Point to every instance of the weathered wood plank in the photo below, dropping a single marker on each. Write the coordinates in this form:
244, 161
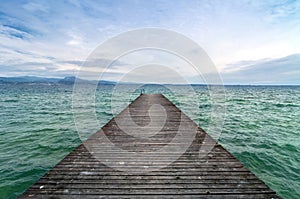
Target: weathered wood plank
195, 174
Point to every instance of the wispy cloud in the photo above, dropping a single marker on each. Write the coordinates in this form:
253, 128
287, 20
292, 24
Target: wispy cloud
284, 70
61, 34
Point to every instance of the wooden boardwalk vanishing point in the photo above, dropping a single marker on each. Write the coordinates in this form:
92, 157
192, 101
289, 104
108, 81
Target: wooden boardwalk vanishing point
217, 174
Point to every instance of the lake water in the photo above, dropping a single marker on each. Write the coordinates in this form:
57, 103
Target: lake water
261, 128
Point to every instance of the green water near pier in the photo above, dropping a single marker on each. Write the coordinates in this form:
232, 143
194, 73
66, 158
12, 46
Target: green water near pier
261, 128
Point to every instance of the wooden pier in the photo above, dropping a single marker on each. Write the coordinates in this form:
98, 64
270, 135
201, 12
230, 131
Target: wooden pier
217, 174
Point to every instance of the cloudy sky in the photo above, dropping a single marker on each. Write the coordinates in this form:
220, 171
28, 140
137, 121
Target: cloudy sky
250, 42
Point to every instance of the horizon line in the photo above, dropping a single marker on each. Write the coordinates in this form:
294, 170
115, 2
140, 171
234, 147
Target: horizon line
149, 83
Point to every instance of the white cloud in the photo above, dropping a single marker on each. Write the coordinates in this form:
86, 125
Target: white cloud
75, 39
55, 31
283, 70
35, 7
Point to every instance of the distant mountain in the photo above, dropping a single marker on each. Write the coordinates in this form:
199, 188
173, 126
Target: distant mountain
72, 79
103, 82
28, 79
67, 80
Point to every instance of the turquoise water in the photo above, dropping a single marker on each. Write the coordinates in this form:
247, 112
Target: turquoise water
262, 129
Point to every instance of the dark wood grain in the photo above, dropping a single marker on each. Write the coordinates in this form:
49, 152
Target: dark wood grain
216, 174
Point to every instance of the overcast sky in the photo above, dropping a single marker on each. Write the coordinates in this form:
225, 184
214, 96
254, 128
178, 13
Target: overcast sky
250, 42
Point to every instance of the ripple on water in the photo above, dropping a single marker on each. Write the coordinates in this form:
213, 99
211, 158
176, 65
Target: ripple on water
261, 129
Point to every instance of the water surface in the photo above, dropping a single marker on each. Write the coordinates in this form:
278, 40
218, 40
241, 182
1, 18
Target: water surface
262, 129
